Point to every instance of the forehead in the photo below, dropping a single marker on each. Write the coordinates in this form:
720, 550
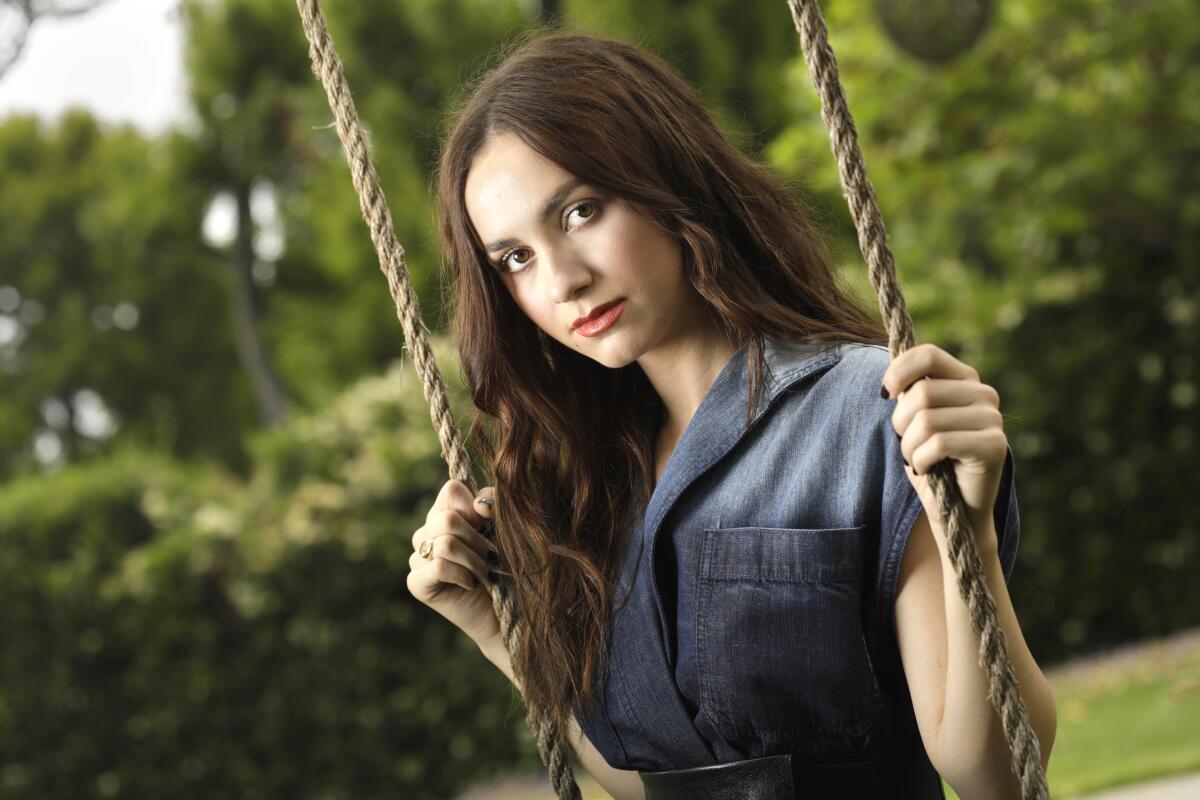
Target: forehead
507, 182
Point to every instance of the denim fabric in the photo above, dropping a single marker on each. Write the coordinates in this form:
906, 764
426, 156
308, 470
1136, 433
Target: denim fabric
755, 603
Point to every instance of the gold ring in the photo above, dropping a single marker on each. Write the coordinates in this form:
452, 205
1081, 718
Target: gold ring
426, 549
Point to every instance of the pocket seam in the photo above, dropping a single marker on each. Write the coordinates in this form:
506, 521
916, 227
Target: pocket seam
711, 705
813, 535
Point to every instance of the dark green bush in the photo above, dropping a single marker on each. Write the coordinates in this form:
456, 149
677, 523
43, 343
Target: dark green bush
170, 632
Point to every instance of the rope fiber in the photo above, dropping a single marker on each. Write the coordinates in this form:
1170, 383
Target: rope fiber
810, 24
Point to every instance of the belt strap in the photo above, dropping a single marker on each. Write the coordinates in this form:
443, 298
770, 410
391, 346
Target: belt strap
903, 772
765, 778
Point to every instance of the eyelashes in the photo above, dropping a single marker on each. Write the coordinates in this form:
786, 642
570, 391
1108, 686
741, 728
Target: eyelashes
502, 262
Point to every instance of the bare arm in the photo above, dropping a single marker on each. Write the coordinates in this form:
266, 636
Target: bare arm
622, 784
961, 731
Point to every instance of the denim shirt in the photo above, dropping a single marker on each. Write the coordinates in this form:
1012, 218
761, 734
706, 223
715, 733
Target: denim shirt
755, 603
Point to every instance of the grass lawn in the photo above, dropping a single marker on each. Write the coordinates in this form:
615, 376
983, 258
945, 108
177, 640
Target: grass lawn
1127, 716
1123, 717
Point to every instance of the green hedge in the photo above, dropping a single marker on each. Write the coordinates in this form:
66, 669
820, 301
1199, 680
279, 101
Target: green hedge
174, 631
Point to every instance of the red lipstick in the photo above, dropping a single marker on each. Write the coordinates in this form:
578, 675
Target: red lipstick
600, 319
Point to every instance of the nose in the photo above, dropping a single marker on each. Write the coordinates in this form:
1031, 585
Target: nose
566, 273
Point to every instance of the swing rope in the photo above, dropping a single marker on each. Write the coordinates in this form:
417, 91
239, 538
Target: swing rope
1003, 689
327, 66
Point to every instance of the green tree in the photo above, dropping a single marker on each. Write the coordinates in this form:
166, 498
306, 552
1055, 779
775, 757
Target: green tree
1042, 197
106, 296
732, 50
86, 234
264, 120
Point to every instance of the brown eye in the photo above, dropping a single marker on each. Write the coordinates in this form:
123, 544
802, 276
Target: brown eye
589, 204
504, 260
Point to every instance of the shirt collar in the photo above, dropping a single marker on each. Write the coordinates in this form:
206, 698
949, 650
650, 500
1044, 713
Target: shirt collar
720, 421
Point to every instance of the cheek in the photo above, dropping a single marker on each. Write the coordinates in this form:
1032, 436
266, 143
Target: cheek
642, 252
659, 258
537, 309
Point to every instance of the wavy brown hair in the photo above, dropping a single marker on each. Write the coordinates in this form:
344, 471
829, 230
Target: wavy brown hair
568, 442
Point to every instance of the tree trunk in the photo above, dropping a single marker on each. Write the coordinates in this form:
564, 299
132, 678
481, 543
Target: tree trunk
246, 305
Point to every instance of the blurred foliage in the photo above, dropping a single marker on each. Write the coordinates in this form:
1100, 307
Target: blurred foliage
1042, 194
733, 51
112, 291
264, 119
179, 632
195, 607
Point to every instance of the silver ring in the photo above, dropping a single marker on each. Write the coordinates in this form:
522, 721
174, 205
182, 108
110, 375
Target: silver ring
426, 549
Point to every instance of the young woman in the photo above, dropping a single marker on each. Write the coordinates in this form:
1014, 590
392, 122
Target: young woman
710, 490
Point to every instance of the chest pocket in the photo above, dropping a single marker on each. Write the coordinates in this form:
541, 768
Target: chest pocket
780, 647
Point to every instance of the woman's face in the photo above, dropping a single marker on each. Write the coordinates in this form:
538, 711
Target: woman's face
564, 248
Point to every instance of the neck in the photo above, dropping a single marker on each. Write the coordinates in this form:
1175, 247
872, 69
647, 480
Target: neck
682, 372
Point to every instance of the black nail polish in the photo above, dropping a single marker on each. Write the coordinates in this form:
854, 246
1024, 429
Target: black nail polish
905, 460
492, 575
883, 392
493, 557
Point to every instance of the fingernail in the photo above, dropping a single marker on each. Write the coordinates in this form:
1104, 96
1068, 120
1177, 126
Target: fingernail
493, 557
492, 575
883, 392
905, 460
487, 501
474, 582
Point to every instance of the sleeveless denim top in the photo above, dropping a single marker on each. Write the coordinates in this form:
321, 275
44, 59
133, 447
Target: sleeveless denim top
754, 609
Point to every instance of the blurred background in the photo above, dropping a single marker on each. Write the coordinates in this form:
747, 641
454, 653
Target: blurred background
214, 452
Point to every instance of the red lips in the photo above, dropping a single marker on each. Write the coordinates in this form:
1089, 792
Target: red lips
602, 318
595, 312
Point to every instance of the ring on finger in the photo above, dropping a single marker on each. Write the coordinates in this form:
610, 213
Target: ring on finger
426, 549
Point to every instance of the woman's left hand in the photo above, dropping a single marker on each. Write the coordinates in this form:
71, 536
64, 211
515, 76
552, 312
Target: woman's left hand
945, 411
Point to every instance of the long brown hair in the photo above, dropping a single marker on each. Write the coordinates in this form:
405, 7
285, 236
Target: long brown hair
569, 441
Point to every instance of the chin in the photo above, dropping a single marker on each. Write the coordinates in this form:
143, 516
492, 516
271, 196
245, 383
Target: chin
613, 357
605, 360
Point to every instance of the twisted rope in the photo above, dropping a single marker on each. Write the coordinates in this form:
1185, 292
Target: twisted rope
810, 24
328, 68
993, 646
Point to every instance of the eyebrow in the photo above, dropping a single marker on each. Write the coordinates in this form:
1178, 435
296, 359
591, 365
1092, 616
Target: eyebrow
556, 200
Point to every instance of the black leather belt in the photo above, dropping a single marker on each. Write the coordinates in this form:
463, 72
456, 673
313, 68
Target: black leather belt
766, 778
851, 776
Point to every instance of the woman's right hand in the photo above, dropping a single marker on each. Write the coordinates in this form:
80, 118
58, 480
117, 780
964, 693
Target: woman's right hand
453, 580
